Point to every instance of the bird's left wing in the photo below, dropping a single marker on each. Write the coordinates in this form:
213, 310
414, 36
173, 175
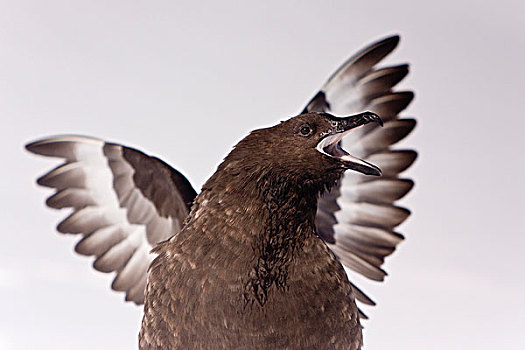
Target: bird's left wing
357, 218
123, 203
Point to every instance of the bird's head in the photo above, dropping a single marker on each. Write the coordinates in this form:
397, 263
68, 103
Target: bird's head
306, 147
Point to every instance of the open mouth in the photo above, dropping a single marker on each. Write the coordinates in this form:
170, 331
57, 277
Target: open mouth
331, 144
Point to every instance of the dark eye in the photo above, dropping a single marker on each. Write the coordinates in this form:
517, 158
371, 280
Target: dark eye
305, 130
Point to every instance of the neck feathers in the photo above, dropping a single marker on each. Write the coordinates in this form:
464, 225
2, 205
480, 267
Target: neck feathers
290, 220
273, 214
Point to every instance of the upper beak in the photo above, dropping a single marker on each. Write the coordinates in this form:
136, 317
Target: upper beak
353, 121
330, 145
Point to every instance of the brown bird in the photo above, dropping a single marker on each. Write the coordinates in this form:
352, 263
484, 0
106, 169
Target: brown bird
253, 261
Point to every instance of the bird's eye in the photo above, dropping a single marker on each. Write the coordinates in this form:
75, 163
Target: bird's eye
305, 130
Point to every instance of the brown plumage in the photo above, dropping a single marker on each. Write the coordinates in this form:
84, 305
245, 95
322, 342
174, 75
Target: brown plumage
248, 270
257, 262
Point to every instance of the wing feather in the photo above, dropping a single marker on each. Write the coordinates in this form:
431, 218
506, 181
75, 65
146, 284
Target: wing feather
100, 241
118, 255
357, 218
70, 197
362, 297
124, 202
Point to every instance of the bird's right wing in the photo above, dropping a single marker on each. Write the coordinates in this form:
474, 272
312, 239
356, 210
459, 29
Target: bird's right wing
123, 203
357, 218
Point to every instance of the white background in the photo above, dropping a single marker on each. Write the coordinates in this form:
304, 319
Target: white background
186, 82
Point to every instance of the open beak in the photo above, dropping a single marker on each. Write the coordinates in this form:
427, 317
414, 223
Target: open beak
330, 145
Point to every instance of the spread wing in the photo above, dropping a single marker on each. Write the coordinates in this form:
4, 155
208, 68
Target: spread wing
358, 218
123, 203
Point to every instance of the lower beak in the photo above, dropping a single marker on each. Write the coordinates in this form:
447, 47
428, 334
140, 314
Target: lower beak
330, 145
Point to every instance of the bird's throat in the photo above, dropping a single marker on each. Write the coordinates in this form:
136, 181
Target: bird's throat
289, 221
272, 216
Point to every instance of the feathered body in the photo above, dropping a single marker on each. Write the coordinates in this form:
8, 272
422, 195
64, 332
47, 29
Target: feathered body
248, 270
254, 260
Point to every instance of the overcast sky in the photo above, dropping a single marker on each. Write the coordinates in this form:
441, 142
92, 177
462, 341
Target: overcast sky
186, 81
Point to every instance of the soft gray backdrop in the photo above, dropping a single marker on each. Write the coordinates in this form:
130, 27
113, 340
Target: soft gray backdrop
186, 81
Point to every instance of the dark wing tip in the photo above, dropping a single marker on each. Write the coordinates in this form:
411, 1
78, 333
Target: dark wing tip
392, 40
408, 123
29, 145
412, 153
408, 185
404, 67
41, 181
34, 146
362, 315
138, 302
361, 296
411, 122
410, 182
408, 213
405, 94
387, 44
409, 95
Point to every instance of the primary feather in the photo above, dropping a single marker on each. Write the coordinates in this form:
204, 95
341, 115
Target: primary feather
124, 202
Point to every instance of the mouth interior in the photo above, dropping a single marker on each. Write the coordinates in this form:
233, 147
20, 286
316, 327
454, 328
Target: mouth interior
330, 146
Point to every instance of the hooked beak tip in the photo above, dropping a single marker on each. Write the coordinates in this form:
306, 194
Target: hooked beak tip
372, 117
